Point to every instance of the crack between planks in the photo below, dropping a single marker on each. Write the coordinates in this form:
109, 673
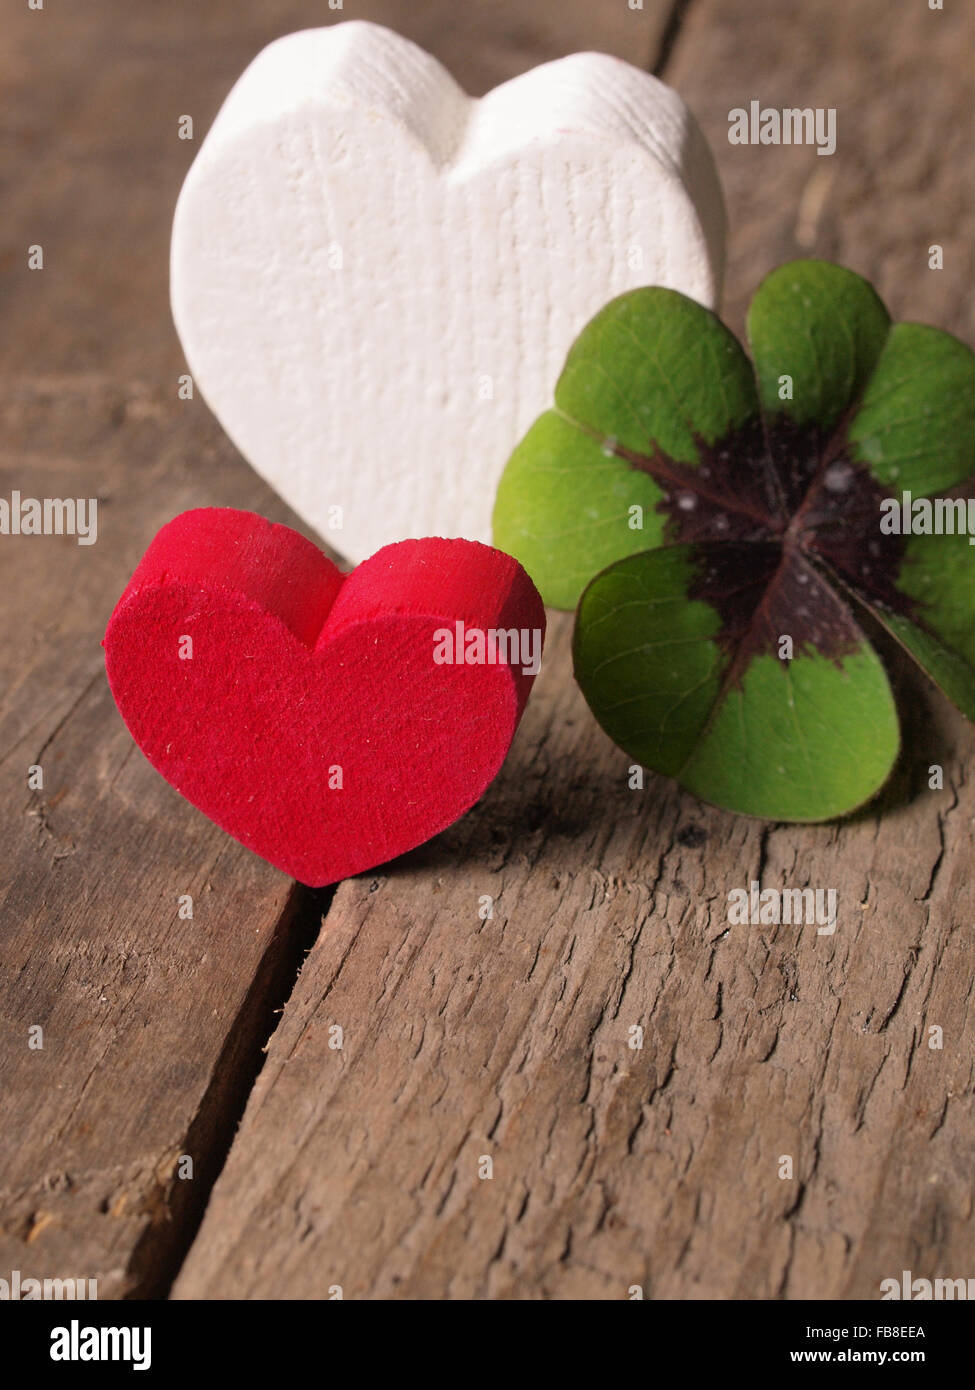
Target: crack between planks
670, 36
178, 1213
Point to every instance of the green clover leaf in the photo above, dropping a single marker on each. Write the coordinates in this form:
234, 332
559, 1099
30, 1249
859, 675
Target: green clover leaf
728, 526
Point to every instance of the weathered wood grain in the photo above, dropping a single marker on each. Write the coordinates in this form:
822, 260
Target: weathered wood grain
507, 1037
901, 176
152, 1025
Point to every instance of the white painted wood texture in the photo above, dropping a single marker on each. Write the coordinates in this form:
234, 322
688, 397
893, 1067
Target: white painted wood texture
376, 278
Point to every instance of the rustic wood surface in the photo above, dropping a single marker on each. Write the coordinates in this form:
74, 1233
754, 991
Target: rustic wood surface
464, 1037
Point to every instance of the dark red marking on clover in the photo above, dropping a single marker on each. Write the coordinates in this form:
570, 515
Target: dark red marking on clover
778, 508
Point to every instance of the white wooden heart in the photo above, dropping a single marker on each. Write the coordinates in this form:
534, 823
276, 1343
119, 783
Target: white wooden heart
376, 278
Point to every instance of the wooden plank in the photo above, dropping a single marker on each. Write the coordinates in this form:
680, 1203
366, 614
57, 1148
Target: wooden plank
152, 1025
901, 177
508, 1037
95, 93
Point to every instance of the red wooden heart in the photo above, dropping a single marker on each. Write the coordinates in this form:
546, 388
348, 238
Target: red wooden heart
317, 716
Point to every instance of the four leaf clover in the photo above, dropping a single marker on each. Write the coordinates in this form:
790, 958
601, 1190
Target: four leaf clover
721, 525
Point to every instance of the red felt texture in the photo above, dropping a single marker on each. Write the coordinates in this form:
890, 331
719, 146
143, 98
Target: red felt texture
312, 721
